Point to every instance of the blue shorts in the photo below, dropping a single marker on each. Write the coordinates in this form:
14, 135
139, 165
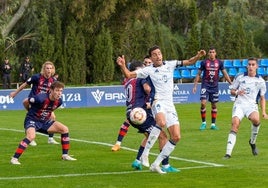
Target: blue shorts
40, 126
211, 95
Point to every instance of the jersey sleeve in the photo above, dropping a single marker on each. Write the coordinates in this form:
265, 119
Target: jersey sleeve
32, 79
202, 66
235, 83
34, 99
263, 88
142, 73
221, 65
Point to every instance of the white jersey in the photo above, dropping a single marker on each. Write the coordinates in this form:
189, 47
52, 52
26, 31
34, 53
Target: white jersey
162, 79
253, 87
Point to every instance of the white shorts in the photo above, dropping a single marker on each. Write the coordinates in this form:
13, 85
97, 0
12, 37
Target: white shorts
244, 110
168, 109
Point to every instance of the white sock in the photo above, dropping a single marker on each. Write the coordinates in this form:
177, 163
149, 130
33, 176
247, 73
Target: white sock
153, 136
118, 143
254, 133
166, 151
230, 143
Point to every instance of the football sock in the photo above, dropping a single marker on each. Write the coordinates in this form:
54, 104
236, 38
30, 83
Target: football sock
165, 162
203, 114
213, 115
231, 142
50, 135
21, 148
65, 143
122, 132
254, 133
140, 151
153, 136
166, 151
118, 143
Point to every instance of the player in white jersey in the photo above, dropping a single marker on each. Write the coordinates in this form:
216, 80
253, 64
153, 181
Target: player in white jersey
248, 88
161, 76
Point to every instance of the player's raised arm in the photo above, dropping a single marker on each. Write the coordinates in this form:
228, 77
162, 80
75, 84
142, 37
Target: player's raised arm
193, 60
122, 63
14, 93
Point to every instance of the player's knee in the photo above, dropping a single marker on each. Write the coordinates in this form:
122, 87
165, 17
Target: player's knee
65, 129
176, 138
30, 137
161, 123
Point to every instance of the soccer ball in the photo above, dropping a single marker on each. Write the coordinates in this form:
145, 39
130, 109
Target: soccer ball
138, 116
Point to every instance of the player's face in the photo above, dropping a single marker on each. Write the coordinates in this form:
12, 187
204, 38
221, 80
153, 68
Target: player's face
212, 54
156, 57
252, 67
56, 93
147, 62
48, 71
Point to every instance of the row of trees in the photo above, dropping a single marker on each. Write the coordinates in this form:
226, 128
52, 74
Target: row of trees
84, 37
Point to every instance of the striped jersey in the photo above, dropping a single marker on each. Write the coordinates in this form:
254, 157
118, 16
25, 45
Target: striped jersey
42, 107
40, 84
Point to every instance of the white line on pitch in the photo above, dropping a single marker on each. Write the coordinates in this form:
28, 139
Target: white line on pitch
126, 148
90, 174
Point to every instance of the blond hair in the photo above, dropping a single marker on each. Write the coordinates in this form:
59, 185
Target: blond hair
44, 67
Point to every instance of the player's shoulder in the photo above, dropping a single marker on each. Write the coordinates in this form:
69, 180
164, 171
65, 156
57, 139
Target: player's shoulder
37, 75
260, 78
38, 98
240, 75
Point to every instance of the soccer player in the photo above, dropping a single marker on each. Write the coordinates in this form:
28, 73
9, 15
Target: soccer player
163, 108
210, 68
40, 83
247, 87
138, 93
125, 125
38, 119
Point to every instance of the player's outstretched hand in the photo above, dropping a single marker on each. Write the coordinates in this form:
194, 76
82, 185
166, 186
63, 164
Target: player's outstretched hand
121, 60
201, 53
12, 94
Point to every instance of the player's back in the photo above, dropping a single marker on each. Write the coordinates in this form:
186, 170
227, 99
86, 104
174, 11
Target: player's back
135, 94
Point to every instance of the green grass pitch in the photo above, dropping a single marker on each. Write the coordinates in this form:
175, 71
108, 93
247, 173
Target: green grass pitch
93, 131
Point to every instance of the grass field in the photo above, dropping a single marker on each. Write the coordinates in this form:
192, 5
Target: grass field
93, 131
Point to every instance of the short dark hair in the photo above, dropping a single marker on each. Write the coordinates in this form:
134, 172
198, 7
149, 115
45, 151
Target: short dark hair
212, 48
134, 65
152, 49
253, 59
146, 57
57, 84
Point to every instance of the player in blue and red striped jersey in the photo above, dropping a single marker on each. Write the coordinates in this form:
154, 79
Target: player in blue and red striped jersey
38, 118
211, 68
40, 83
125, 125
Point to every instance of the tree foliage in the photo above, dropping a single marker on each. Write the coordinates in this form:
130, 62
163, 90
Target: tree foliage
103, 64
83, 38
